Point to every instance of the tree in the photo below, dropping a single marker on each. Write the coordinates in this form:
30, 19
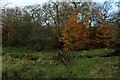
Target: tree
115, 20
74, 34
104, 34
9, 18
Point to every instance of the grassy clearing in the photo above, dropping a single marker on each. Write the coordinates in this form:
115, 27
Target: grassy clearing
105, 67
92, 52
94, 67
19, 51
81, 68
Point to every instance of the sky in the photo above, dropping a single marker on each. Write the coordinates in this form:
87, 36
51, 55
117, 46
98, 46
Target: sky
22, 3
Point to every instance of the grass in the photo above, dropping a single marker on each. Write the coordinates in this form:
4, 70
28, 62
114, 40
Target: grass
0, 66
86, 67
100, 67
92, 52
19, 51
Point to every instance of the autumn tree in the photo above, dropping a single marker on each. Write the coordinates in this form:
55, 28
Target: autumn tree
104, 34
115, 20
74, 33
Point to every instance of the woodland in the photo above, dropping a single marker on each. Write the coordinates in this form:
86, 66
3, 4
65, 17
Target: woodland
61, 40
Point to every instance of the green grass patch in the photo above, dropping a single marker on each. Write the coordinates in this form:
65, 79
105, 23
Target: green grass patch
93, 67
97, 67
19, 51
98, 52
13, 50
80, 68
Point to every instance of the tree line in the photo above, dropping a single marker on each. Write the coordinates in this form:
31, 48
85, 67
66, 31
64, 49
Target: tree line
68, 26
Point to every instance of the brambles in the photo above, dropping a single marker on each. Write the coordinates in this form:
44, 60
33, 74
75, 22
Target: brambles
8, 57
63, 57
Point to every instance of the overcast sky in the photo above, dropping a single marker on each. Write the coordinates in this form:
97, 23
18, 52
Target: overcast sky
21, 3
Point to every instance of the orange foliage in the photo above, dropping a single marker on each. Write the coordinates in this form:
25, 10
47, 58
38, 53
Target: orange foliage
104, 34
74, 33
